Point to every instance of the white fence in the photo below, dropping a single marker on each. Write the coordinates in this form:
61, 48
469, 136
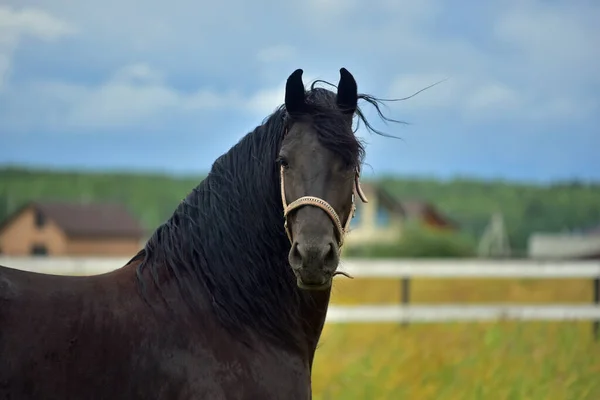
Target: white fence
469, 268
461, 313
65, 265
403, 271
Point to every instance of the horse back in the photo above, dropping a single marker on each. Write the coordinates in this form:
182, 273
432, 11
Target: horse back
54, 328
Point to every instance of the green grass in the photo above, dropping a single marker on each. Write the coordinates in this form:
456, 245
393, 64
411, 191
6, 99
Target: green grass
504, 360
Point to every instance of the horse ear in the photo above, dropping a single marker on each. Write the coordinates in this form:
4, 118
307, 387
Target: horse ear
347, 93
294, 93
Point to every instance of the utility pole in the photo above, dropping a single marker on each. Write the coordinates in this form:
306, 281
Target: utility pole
494, 241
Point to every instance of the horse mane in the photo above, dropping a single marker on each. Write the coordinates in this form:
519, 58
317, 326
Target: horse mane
225, 244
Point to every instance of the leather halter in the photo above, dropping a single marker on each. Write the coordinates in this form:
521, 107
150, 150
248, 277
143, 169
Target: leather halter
323, 205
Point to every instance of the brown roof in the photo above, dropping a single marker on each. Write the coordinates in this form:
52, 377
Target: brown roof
595, 230
91, 219
387, 200
417, 207
407, 208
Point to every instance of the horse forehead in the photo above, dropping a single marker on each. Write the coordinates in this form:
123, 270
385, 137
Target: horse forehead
306, 141
313, 155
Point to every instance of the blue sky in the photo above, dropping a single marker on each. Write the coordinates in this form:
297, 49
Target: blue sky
171, 85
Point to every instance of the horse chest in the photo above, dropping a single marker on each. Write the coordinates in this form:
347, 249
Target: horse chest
202, 375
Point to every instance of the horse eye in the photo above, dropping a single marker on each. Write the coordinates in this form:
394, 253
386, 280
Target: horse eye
282, 162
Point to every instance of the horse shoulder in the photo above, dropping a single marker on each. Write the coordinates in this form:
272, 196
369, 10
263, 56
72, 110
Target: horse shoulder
8, 289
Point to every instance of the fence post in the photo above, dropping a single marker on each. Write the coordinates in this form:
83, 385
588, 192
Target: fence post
405, 294
596, 323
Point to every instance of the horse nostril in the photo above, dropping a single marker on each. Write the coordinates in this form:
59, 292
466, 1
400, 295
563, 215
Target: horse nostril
313, 256
295, 257
330, 256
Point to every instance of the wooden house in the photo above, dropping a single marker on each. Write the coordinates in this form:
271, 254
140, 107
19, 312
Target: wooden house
70, 229
384, 218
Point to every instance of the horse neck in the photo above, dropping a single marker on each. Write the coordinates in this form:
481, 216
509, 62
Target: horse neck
314, 313
312, 308
239, 267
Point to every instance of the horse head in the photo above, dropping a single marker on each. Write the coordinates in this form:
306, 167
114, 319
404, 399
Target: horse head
319, 162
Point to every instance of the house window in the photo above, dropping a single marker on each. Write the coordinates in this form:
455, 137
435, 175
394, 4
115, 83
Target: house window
39, 250
383, 217
40, 219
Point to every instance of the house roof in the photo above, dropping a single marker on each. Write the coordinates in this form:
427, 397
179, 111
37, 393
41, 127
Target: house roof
89, 219
407, 208
594, 230
387, 200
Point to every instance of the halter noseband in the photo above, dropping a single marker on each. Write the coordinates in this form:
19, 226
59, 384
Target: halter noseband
323, 205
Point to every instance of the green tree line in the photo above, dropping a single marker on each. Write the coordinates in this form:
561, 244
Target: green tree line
152, 198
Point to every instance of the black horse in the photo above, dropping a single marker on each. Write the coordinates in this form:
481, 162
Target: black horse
227, 299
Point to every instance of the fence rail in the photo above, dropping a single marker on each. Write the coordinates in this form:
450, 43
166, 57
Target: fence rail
404, 270
360, 268
471, 268
461, 313
65, 265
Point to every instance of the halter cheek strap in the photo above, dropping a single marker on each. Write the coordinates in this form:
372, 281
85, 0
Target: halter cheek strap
323, 205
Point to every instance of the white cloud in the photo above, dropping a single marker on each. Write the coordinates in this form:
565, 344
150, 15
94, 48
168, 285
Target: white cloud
33, 22
264, 101
537, 65
551, 35
462, 94
330, 8
138, 72
529, 60
493, 97
137, 92
480, 101
133, 95
121, 104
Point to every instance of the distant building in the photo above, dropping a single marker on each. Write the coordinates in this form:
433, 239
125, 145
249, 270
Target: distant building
384, 218
565, 245
67, 229
593, 230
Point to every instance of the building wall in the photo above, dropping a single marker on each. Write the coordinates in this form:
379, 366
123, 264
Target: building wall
566, 246
367, 229
103, 246
21, 235
373, 236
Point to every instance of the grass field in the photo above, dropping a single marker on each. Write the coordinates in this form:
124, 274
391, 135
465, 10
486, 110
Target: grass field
505, 360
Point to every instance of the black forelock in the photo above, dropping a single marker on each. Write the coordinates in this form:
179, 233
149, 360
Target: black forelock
333, 128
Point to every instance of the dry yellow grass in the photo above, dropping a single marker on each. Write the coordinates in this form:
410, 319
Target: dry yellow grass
506, 360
